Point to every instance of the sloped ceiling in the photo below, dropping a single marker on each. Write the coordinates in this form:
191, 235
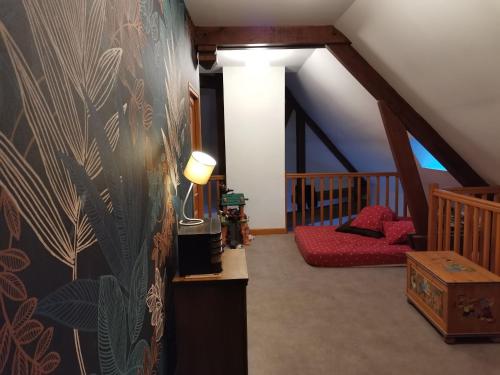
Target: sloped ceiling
265, 12
345, 111
443, 57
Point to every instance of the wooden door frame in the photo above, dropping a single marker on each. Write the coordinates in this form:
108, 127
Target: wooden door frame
195, 130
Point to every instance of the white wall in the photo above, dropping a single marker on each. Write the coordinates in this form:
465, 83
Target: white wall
344, 110
318, 156
431, 176
265, 12
254, 111
443, 57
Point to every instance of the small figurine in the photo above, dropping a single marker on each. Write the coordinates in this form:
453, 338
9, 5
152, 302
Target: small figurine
234, 221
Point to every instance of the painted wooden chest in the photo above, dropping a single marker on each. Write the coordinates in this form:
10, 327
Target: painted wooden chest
460, 298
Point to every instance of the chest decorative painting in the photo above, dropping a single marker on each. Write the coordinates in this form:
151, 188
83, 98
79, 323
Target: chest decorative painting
457, 296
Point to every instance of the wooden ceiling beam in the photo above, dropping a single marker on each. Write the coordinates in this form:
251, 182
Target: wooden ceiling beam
381, 90
208, 39
281, 36
207, 55
406, 166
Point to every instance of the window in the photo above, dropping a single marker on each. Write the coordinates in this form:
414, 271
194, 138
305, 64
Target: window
424, 157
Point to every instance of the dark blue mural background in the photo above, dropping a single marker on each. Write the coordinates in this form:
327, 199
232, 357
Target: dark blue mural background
93, 138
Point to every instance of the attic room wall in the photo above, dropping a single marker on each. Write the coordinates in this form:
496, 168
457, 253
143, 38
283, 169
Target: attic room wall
443, 58
254, 113
89, 188
432, 176
318, 157
345, 111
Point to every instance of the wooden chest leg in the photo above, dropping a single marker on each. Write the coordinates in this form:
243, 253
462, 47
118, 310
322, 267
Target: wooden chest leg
450, 340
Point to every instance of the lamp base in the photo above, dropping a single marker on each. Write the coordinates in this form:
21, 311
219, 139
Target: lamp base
191, 222
188, 221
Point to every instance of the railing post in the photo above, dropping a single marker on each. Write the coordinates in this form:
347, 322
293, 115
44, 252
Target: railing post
497, 244
431, 231
487, 244
294, 203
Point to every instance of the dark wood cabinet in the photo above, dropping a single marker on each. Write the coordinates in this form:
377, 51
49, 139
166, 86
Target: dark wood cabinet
211, 322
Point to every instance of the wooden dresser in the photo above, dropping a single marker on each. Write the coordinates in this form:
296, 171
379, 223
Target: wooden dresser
460, 298
211, 320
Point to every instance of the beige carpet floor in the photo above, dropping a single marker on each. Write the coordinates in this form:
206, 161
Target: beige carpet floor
343, 321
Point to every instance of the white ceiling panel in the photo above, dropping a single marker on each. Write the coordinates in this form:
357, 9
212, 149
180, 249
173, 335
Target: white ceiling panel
265, 12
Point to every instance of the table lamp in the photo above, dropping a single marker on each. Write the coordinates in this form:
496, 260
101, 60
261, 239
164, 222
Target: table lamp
198, 170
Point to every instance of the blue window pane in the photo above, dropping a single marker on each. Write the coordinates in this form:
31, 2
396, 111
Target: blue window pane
424, 157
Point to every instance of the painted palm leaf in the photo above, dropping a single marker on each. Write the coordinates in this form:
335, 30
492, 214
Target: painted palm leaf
120, 232
34, 201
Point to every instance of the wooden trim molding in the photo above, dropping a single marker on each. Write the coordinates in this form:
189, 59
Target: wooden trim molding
407, 167
268, 231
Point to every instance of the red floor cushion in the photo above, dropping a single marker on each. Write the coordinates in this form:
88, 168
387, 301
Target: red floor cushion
398, 231
372, 217
324, 247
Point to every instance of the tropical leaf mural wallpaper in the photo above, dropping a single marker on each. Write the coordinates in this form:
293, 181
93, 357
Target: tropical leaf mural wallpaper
93, 136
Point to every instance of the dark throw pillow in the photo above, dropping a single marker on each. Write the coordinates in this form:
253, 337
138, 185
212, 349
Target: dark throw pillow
346, 228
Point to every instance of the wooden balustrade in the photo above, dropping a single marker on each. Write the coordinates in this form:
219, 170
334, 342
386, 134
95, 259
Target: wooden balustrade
466, 221
333, 198
490, 193
211, 195
325, 198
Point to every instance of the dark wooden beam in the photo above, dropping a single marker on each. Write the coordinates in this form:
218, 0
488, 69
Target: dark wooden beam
381, 90
215, 82
319, 132
406, 166
207, 55
211, 81
283, 36
221, 138
288, 112
300, 141
208, 38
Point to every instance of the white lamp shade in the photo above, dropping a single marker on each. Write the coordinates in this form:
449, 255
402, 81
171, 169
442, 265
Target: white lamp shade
199, 168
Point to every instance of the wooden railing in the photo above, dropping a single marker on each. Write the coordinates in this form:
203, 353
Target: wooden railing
489, 193
211, 195
340, 196
465, 224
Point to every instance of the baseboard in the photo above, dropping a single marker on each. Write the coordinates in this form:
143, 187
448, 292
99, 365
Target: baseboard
267, 231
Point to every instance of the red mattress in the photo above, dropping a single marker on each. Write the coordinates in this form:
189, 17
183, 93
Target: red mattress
323, 247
